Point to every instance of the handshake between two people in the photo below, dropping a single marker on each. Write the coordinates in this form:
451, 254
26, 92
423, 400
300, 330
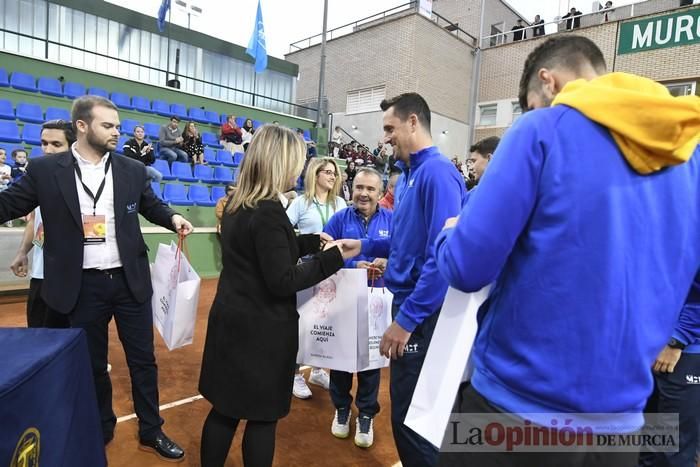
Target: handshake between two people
349, 249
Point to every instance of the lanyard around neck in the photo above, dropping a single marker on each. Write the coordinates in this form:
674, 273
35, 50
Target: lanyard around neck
324, 220
93, 197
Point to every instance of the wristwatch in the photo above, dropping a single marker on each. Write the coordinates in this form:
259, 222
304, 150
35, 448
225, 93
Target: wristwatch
676, 344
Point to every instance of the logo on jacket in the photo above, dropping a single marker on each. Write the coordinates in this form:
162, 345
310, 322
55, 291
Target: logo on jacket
410, 183
692, 379
27, 450
131, 208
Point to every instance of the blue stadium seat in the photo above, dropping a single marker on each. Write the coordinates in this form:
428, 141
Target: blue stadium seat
23, 81
29, 113
223, 175
223, 119
155, 186
36, 152
4, 81
6, 110
235, 174
197, 115
210, 156
204, 174
161, 108
257, 124
238, 158
213, 118
121, 100
151, 130
50, 86
174, 193
73, 90
183, 171
31, 133
54, 113
93, 91
307, 135
120, 144
179, 110
200, 195
128, 126
225, 158
240, 121
210, 139
142, 104
161, 165
217, 192
9, 133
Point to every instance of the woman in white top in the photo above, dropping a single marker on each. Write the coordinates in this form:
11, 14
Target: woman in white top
310, 213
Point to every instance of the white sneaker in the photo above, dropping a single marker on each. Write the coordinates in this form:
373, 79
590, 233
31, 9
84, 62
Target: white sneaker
300, 389
320, 377
341, 423
364, 431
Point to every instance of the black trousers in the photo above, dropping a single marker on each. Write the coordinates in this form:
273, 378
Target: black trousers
39, 315
470, 401
367, 391
103, 296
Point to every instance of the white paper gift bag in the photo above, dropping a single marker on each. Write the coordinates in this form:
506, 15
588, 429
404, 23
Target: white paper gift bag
175, 296
379, 319
445, 365
333, 321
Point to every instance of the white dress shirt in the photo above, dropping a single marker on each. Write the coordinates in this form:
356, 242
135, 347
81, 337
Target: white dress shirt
98, 255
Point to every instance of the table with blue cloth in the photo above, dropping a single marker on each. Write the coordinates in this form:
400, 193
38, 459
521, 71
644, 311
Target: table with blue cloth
48, 407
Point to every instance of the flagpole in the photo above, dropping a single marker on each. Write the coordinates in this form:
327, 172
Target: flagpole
322, 74
255, 85
167, 70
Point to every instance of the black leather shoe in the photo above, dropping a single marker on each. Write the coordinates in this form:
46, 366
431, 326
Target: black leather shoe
164, 447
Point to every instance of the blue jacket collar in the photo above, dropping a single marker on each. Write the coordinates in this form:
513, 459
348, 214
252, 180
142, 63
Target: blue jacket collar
417, 158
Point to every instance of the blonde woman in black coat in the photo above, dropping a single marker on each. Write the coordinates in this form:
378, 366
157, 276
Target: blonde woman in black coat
252, 336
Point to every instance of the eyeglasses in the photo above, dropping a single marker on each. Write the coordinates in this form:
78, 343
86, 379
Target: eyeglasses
328, 172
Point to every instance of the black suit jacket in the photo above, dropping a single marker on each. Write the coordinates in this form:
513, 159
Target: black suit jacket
50, 184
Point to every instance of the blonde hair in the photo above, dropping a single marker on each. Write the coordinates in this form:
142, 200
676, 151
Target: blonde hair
315, 166
275, 156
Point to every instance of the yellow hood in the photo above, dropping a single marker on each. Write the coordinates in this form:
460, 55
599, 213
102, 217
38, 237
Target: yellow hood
652, 128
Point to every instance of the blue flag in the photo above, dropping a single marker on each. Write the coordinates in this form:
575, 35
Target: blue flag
256, 46
162, 11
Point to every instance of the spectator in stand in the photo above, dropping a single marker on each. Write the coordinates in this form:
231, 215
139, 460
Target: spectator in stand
192, 141
247, 132
607, 13
573, 19
519, 32
141, 150
231, 135
345, 189
381, 160
480, 155
221, 205
538, 29
5, 170
170, 137
351, 171
337, 137
20, 168
387, 201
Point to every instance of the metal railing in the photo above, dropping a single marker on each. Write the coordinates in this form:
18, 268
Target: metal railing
297, 109
453, 28
349, 28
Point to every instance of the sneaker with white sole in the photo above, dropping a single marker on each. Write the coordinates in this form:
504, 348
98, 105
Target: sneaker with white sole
300, 389
319, 377
364, 431
341, 423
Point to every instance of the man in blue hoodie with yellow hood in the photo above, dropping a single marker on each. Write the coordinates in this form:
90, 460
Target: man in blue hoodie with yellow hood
588, 224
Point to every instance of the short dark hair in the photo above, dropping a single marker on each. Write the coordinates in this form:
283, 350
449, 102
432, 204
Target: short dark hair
406, 104
571, 52
174, 117
139, 126
16, 150
486, 145
66, 127
83, 105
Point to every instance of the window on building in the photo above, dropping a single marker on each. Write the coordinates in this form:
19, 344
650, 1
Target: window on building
365, 100
682, 89
496, 34
487, 115
517, 111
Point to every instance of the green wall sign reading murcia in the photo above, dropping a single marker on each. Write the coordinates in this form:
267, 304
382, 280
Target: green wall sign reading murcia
681, 28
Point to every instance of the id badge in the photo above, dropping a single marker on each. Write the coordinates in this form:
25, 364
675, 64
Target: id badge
94, 229
39, 236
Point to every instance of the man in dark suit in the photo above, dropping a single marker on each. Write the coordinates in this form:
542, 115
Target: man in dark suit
95, 262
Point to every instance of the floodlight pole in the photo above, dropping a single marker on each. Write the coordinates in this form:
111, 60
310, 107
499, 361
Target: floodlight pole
322, 75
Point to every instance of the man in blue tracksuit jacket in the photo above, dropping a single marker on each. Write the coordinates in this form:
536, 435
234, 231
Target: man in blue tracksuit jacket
428, 192
588, 221
364, 219
677, 386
